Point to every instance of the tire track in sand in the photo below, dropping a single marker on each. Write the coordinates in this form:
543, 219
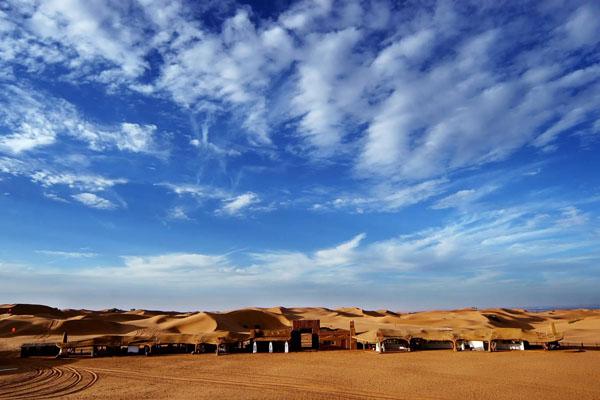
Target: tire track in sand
318, 390
47, 383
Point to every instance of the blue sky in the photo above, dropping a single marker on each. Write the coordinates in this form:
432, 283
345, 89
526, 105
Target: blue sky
177, 155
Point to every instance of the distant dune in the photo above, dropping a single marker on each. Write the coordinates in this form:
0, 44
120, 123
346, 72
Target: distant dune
30, 322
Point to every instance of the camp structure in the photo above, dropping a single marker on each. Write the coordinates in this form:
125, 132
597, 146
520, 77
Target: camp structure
305, 334
497, 339
392, 340
507, 339
114, 345
108, 345
271, 340
302, 335
384, 340
520, 339
40, 349
52, 349
223, 342
334, 339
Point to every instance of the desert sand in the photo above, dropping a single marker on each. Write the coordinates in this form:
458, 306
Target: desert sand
439, 374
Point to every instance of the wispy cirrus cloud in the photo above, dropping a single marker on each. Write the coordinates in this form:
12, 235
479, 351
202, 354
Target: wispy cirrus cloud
484, 248
224, 202
36, 120
388, 108
386, 197
93, 183
92, 200
464, 197
414, 101
69, 182
238, 204
67, 254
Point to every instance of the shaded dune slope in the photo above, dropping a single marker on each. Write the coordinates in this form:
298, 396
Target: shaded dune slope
26, 322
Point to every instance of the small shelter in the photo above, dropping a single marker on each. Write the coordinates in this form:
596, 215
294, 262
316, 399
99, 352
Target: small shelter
503, 339
40, 349
334, 339
408, 339
385, 340
271, 340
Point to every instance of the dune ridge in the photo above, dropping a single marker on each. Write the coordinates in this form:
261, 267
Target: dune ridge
31, 322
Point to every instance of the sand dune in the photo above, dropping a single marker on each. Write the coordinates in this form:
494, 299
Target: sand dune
30, 322
303, 375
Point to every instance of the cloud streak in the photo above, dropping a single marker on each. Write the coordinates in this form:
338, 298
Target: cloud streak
94, 201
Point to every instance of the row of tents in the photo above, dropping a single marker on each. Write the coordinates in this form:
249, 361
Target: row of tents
386, 340
302, 338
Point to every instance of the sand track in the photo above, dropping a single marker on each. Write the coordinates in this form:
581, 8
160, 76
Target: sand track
48, 383
276, 385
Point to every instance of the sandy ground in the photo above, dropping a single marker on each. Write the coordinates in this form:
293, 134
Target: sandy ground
23, 323
312, 375
527, 375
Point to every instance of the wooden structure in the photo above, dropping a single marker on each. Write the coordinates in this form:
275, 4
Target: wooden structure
114, 345
353, 345
496, 339
40, 349
507, 339
305, 334
391, 340
272, 340
302, 335
334, 339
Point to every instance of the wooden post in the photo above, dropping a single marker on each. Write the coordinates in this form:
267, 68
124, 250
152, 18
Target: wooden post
352, 342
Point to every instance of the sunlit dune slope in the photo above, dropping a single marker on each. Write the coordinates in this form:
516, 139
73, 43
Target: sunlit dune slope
30, 322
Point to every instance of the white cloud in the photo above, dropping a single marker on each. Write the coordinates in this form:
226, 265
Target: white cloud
477, 253
93, 183
233, 72
413, 47
315, 101
178, 213
204, 143
388, 197
135, 137
92, 30
572, 216
46, 178
463, 198
228, 204
430, 95
55, 197
94, 201
583, 25
426, 97
35, 120
173, 263
466, 111
341, 254
170, 267
24, 121
67, 254
485, 246
194, 190
236, 205
305, 13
